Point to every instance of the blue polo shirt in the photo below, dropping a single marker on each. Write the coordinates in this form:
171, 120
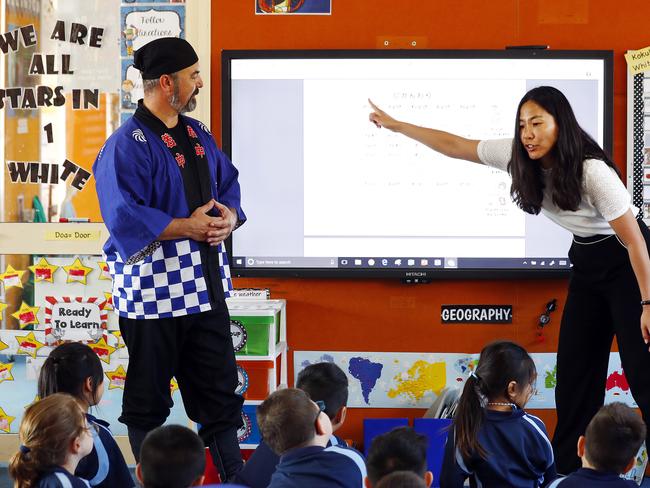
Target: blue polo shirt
320, 467
593, 479
260, 467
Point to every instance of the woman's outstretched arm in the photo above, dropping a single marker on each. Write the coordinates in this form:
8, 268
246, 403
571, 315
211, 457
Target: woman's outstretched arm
443, 142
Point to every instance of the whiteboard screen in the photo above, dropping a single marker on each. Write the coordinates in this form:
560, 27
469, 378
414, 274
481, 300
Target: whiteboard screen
327, 193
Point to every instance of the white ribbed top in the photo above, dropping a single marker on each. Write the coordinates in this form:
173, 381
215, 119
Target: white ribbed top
604, 197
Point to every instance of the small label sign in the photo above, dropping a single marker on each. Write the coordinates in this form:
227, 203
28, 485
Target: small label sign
476, 314
72, 235
76, 321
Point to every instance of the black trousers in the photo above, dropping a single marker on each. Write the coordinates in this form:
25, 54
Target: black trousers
603, 301
196, 349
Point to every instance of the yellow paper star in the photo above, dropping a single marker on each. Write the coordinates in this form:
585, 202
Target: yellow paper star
43, 271
5, 372
120, 341
102, 349
77, 272
3, 306
104, 273
12, 277
5, 421
28, 344
173, 386
3, 346
26, 315
116, 378
109, 300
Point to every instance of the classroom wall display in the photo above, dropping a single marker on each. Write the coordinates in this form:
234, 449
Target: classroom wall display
142, 22
57, 96
75, 318
18, 387
414, 380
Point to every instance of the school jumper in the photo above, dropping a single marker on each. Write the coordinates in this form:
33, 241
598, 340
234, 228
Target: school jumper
261, 465
591, 478
104, 467
57, 477
519, 454
320, 467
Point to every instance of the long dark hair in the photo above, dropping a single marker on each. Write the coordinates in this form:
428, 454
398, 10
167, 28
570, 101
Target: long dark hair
499, 363
66, 369
572, 147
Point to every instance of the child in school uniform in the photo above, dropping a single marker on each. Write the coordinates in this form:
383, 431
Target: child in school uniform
171, 456
607, 449
74, 368
494, 442
401, 449
324, 382
54, 436
296, 428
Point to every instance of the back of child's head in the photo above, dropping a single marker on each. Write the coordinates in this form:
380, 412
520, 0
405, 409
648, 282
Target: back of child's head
325, 382
286, 419
401, 479
66, 370
48, 428
401, 449
171, 456
499, 364
613, 437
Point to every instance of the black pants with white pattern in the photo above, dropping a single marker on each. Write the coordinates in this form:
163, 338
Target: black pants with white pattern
602, 302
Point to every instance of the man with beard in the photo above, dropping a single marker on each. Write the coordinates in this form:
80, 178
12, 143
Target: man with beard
169, 197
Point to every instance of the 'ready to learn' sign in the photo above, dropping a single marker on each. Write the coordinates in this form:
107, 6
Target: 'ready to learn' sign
78, 319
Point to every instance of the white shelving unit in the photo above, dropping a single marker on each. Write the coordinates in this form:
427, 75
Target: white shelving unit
276, 347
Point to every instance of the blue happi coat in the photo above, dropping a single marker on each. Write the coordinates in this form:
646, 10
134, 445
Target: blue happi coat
140, 189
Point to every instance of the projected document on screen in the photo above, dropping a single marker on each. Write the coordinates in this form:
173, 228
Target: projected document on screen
322, 185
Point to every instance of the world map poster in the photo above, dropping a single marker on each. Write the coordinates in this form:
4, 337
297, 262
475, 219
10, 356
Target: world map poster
414, 380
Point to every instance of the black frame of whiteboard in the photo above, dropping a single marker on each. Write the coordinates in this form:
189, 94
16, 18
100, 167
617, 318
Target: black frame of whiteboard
424, 274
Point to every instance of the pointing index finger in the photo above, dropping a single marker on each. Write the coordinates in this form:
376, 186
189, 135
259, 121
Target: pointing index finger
374, 107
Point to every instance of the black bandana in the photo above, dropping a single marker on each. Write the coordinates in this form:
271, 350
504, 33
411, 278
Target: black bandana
164, 56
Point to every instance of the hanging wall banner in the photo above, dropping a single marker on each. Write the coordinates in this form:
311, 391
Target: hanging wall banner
141, 25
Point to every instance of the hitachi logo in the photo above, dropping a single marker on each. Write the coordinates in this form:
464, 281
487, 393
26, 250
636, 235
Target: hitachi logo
416, 273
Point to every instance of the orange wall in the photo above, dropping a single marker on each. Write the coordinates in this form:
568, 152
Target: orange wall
383, 315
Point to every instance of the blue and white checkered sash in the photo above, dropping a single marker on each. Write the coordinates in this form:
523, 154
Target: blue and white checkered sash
166, 282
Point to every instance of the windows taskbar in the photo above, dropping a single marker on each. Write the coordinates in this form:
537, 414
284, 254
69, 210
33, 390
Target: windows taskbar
352, 262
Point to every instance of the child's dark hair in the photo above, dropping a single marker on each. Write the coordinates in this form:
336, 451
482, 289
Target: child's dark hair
66, 370
401, 449
171, 456
326, 382
613, 437
46, 432
499, 363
